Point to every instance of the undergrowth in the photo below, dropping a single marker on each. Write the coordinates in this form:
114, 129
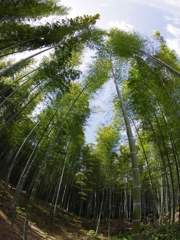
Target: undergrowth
165, 231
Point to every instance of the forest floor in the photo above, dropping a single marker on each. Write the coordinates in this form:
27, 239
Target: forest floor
67, 225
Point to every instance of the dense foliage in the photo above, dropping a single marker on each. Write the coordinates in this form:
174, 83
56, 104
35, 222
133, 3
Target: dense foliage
45, 106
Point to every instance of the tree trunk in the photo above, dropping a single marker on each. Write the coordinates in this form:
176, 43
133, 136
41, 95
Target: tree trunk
135, 169
60, 181
100, 213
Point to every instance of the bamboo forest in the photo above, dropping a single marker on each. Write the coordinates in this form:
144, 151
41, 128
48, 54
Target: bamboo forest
125, 184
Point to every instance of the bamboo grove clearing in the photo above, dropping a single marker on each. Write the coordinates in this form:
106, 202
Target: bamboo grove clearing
44, 110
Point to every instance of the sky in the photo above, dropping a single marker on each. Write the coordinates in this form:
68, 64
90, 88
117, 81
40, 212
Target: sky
143, 16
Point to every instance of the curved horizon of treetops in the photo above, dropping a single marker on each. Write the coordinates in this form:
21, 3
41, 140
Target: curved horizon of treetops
49, 149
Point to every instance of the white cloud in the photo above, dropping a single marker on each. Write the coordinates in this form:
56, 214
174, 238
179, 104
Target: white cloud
104, 4
174, 41
169, 6
175, 3
175, 20
174, 44
121, 25
175, 31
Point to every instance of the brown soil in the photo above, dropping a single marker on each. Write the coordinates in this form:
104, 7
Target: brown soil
67, 225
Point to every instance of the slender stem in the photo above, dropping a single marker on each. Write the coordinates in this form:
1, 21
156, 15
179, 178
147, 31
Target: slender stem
135, 168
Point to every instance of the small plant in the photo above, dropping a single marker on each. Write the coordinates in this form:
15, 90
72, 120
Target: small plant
92, 232
161, 232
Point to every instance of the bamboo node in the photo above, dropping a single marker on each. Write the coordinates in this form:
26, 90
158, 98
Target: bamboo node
135, 169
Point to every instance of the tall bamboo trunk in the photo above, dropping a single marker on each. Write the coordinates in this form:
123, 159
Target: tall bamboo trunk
44, 161
26, 170
60, 181
18, 44
3, 72
17, 154
135, 168
168, 195
100, 213
153, 191
172, 200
